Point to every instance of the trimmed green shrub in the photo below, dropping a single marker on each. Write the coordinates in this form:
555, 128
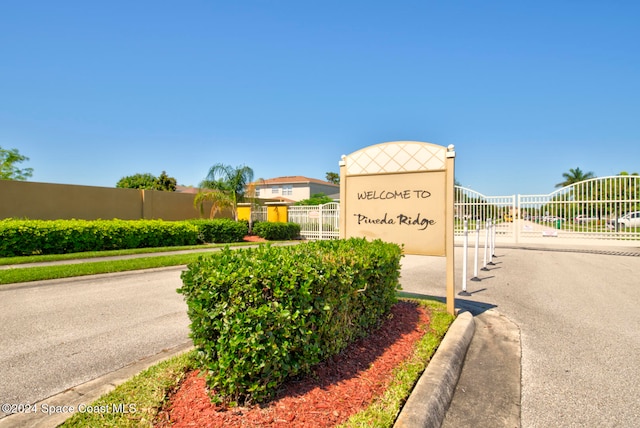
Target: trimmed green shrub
220, 230
274, 231
28, 237
261, 315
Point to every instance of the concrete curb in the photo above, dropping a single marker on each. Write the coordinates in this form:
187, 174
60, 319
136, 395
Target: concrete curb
428, 403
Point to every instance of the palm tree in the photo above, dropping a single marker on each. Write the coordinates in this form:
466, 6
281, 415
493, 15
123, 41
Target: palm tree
226, 186
574, 176
219, 201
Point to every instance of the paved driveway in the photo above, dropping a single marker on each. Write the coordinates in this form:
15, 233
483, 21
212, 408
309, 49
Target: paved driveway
579, 318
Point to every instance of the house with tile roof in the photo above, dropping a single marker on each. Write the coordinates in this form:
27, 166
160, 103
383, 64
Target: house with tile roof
294, 188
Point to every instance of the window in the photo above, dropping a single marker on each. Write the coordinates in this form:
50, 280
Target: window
287, 190
275, 190
257, 192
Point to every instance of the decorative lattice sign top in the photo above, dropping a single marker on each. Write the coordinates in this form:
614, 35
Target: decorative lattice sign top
399, 156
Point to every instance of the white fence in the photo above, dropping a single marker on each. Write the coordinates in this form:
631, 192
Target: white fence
259, 213
604, 209
317, 221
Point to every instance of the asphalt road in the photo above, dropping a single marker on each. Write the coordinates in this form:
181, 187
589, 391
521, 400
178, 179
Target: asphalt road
58, 334
579, 320
577, 313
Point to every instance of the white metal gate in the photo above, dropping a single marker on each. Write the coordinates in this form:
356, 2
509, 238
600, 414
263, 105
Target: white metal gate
606, 209
477, 208
317, 221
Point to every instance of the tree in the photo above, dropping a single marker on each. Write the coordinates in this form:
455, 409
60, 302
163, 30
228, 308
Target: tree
227, 182
574, 176
137, 181
8, 170
164, 182
333, 177
219, 201
148, 182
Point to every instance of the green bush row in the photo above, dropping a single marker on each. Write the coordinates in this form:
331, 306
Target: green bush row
28, 237
261, 315
276, 231
220, 230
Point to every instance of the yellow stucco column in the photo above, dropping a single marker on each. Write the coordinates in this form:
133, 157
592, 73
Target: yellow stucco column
277, 212
244, 212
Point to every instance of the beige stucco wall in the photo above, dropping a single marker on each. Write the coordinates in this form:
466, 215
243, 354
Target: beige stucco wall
47, 201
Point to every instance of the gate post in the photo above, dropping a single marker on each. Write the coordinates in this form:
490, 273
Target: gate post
277, 212
244, 211
320, 217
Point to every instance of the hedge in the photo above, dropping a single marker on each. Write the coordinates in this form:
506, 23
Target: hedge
261, 315
221, 230
28, 237
276, 231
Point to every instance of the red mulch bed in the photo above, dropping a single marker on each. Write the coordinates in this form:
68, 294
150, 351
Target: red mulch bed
254, 238
337, 389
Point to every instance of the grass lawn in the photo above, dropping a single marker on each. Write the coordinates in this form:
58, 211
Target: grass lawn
36, 273
25, 273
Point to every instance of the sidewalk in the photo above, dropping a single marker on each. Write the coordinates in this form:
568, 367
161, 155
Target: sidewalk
487, 385
488, 391
473, 379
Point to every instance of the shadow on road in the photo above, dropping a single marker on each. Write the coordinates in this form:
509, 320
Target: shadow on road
475, 308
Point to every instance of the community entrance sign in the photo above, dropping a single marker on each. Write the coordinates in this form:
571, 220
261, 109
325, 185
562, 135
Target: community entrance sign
401, 192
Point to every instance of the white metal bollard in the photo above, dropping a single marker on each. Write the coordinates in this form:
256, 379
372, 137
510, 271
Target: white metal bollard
487, 226
493, 241
464, 260
475, 263
492, 234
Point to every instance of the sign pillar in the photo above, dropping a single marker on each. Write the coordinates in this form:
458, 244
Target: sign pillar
343, 191
450, 209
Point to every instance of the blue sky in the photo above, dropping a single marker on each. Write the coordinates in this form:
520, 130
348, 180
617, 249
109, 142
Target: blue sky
525, 90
